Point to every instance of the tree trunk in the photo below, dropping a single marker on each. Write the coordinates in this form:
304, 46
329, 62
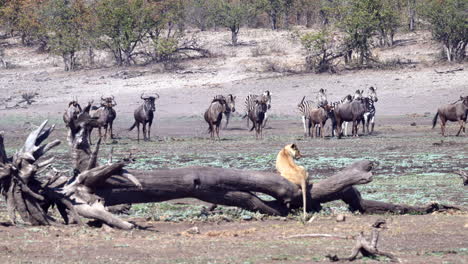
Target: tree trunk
411, 14
234, 33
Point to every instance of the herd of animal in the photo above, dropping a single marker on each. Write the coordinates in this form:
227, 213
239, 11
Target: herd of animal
352, 109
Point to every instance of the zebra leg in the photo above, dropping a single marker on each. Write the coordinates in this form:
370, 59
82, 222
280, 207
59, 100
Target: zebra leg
304, 124
227, 119
248, 118
372, 121
265, 120
217, 131
344, 127
111, 131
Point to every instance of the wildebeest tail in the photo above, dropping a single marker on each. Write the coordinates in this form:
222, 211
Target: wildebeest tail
434, 121
133, 126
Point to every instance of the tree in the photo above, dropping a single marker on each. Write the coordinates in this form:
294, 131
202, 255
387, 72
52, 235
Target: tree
232, 14
122, 25
274, 9
449, 25
322, 49
66, 24
198, 13
387, 21
359, 24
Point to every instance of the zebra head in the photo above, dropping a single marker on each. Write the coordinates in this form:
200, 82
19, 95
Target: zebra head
266, 97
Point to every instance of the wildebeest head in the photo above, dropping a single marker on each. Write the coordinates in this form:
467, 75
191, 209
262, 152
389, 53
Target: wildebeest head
108, 102
464, 100
149, 102
74, 108
358, 94
231, 103
372, 93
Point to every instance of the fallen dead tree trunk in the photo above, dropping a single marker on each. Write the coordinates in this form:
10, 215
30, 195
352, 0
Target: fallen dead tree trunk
228, 187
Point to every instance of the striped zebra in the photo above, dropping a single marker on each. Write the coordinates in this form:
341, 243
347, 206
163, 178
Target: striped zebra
305, 108
249, 104
230, 106
369, 117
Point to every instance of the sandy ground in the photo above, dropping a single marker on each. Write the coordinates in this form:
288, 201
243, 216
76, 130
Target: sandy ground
406, 95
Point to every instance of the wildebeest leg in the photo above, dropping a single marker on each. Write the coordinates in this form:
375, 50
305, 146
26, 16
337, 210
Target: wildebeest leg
217, 130
111, 130
100, 133
321, 129
228, 114
338, 128
149, 129
248, 118
138, 131
462, 126
89, 135
442, 125
304, 124
144, 132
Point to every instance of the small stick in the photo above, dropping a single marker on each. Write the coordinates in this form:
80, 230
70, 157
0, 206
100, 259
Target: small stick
319, 235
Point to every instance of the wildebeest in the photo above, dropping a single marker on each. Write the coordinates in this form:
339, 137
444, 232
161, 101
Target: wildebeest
230, 106
452, 112
317, 118
104, 116
72, 112
144, 114
214, 115
257, 115
352, 111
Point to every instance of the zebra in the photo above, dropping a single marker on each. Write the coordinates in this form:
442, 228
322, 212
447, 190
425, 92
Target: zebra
369, 117
249, 104
230, 105
305, 107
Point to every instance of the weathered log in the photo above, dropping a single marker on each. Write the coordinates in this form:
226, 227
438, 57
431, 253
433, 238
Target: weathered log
229, 187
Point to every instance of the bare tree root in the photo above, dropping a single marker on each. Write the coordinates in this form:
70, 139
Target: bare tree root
367, 247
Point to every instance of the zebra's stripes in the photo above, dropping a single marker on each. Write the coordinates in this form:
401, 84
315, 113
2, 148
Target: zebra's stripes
305, 108
249, 104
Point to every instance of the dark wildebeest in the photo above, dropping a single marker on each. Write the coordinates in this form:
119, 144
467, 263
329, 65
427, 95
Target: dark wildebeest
317, 119
104, 116
353, 111
257, 115
230, 106
144, 114
214, 115
72, 112
452, 112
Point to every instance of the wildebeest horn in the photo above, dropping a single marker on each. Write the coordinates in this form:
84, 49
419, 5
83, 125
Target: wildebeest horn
141, 96
157, 96
102, 98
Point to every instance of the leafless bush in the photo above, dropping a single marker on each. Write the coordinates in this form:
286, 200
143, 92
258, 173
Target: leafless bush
28, 97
